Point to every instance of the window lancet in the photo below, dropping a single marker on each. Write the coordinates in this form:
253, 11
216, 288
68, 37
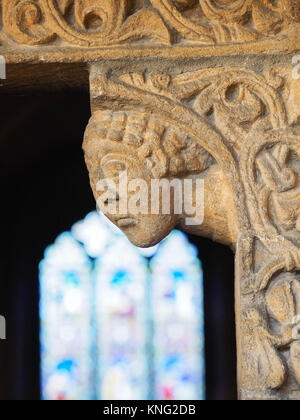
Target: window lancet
119, 322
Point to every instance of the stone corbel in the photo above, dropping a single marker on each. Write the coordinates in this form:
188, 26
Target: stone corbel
236, 129
199, 89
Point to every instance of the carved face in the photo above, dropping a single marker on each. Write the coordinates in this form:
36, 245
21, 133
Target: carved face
116, 169
125, 154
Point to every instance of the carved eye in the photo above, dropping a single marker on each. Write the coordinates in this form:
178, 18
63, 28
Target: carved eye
113, 169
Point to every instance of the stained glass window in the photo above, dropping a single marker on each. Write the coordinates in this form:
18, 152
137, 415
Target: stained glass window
120, 322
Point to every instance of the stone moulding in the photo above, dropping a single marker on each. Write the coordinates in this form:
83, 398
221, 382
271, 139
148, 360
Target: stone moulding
247, 122
87, 30
238, 126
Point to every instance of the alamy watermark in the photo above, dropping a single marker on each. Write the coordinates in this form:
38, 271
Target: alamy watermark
2, 67
2, 318
2, 328
162, 196
296, 69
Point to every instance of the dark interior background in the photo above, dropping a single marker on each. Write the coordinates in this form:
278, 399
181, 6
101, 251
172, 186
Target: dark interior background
44, 191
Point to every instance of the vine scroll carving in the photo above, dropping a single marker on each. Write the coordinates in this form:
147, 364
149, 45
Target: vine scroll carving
233, 124
96, 23
240, 121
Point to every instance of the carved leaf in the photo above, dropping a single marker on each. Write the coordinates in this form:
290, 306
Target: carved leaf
145, 23
92, 14
205, 101
89, 23
63, 5
26, 21
182, 25
295, 359
272, 370
95, 22
283, 300
225, 33
269, 17
155, 83
234, 11
242, 104
236, 107
275, 172
266, 19
291, 9
184, 4
265, 367
228, 21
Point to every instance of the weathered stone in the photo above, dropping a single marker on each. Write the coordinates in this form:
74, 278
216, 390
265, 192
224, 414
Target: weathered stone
200, 90
240, 126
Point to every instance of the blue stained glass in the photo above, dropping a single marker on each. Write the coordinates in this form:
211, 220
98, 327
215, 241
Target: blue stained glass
178, 325
121, 308
65, 321
119, 322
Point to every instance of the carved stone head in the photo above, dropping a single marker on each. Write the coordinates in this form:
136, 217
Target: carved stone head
145, 149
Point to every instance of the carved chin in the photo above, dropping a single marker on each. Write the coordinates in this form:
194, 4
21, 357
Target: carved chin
145, 236
142, 239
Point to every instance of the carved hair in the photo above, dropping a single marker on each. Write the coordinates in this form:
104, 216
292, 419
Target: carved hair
166, 150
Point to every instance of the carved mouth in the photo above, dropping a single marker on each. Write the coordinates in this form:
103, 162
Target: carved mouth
126, 222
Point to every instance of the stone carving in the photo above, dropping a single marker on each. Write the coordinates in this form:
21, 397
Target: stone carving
148, 148
236, 129
264, 368
217, 21
82, 22
91, 23
283, 303
235, 122
279, 204
164, 149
